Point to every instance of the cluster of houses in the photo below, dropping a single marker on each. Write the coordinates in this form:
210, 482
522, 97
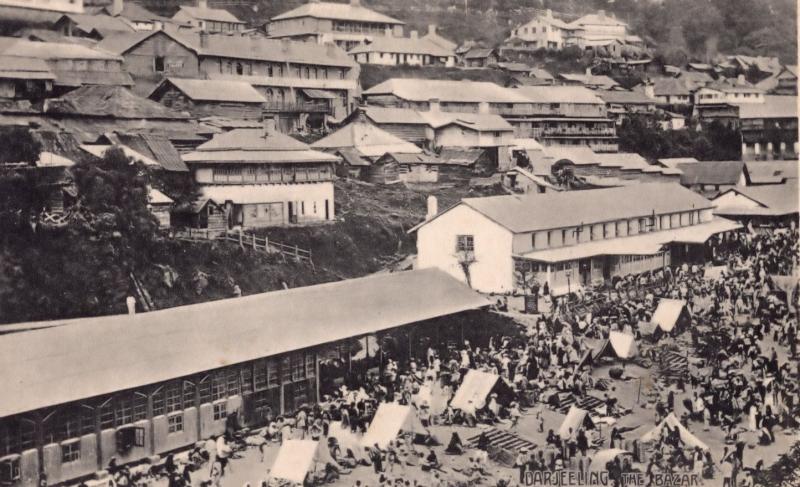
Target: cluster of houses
206, 96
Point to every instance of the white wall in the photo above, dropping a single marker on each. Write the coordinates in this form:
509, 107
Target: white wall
733, 199
493, 270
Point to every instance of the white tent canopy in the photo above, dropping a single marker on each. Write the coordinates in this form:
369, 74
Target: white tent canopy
296, 458
347, 440
575, 418
602, 457
687, 437
624, 344
473, 391
390, 420
667, 313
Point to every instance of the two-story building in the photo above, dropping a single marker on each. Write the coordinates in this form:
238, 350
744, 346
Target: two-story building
74, 65
403, 51
567, 239
769, 129
214, 20
301, 81
207, 98
345, 24
264, 178
596, 29
543, 31
735, 93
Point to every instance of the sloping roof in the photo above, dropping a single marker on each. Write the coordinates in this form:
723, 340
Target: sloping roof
624, 344
774, 199
590, 79
109, 101
480, 122
215, 90
402, 45
711, 172
673, 162
238, 47
132, 351
136, 13
14, 46
391, 115
353, 157
575, 418
474, 389
211, 14
541, 73
686, 436
670, 87
771, 172
390, 419
255, 146
774, 106
446, 91
440, 41
99, 23
597, 19
625, 97
156, 147
337, 11
559, 94
156, 197
368, 139
566, 209
13, 67
479, 53
667, 313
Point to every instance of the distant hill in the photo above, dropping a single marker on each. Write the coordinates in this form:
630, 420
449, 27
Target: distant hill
679, 29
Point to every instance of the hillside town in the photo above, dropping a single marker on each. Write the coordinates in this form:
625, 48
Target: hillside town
329, 247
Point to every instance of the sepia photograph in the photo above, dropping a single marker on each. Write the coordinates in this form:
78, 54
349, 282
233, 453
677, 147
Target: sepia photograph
399, 243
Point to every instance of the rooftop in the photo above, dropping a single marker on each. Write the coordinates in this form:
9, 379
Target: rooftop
446, 91
774, 200
337, 11
774, 106
711, 172
109, 101
479, 122
534, 212
133, 351
12, 67
590, 79
102, 23
625, 96
771, 172
402, 45
214, 90
559, 94
367, 139
265, 145
210, 14
14, 46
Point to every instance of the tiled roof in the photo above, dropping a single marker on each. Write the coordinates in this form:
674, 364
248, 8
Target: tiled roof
211, 14
571, 208
337, 11
447, 91
215, 90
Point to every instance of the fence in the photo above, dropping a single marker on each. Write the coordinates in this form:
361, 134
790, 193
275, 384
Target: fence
248, 240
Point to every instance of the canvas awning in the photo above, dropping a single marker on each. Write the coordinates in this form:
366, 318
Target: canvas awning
623, 344
319, 94
642, 244
295, 459
686, 436
473, 391
575, 418
667, 313
390, 420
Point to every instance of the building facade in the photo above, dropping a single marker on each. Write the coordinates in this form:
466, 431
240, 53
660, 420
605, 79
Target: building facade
67, 6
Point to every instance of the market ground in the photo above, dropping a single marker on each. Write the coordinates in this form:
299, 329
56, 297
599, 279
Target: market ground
252, 469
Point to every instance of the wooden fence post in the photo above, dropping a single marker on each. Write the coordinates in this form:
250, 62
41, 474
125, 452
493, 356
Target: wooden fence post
254, 243
241, 238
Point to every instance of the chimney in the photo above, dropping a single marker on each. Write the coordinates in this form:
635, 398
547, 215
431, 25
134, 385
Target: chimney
116, 8
203, 39
601, 14
202, 4
434, 105
433, 207
483, 107
414, 34
740, 80
588, 71
548, 13
650, 89
361, 115
355, 3
131, 302
432, 29
269, 127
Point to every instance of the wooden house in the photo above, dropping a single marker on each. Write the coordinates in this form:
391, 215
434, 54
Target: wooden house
205, 98
204, 213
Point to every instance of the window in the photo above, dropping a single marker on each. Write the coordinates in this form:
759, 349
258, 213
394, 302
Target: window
204, 388
247, 379
220, 411
173, 397
188, 394
129, 437
260, 375
311, 365
9, 470
158, 64
218, 385
298, 367
233, 382
107, 415
175, 423
70, 451
564, 237
158, 403
286, 369
272, 373
465, 243
239, 69
549, 233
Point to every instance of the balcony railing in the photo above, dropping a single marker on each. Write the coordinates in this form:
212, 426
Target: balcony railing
274, 107
556, 131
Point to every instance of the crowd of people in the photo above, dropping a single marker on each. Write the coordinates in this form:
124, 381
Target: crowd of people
734, 383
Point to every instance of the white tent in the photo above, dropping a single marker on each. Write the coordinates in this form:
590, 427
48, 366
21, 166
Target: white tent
347, 440
602, 457
667, 313
624, 344
296, 458
575, 418
391, 419
687, 437
473, 391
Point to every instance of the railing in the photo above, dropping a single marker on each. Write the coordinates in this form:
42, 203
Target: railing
578, 131
248, 240
297, 107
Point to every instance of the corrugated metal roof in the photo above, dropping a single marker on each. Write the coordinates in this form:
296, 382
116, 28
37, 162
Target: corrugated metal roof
771, 171
13, 67
625, 97
215, 90
776, 199
447, 91
774, 106
368, 139
337, 11
479, 122
711, 172
402, 45
571, 208
590, 79
559, 94
90, 23
212, 14
353, 157
14, 46
255, 146
132, 351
